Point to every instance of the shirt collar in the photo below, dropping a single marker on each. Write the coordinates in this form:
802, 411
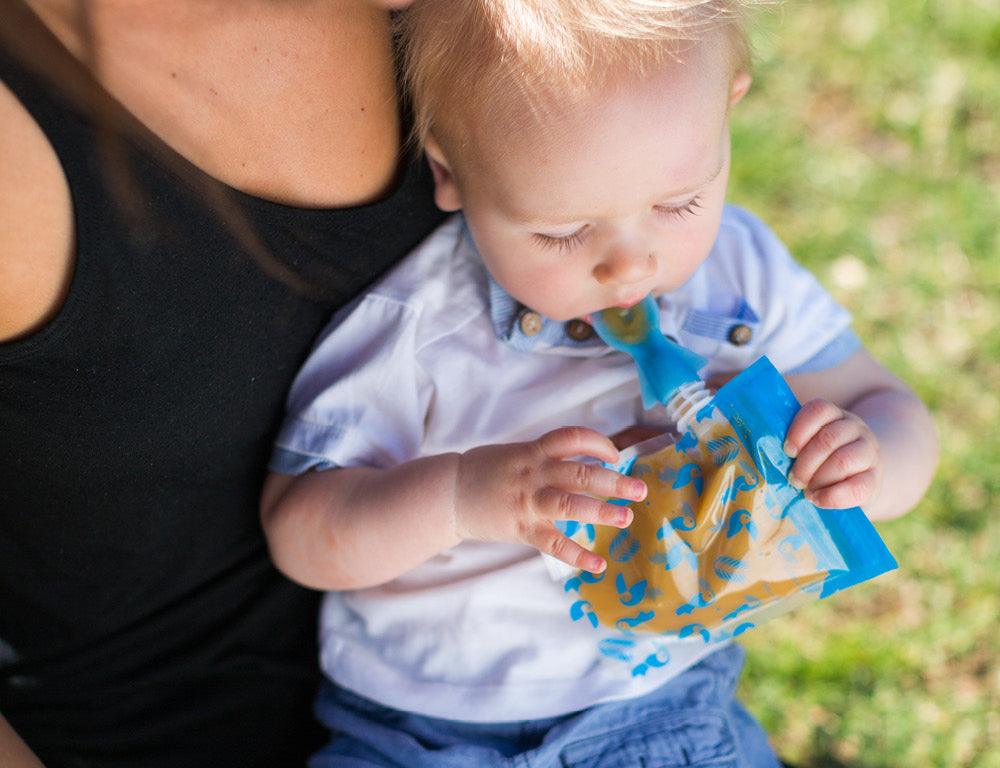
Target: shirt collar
522, 328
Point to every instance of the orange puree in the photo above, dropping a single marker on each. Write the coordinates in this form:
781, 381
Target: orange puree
704, 551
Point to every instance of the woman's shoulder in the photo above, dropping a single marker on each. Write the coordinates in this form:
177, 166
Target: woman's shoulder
35, 223
307, 118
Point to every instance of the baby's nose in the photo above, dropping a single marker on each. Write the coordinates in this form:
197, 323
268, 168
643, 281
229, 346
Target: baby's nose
625, 266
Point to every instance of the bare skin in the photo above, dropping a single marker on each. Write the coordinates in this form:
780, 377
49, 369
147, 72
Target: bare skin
14, 753
293, 101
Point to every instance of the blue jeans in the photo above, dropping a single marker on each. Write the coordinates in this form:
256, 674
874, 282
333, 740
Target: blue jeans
694, 720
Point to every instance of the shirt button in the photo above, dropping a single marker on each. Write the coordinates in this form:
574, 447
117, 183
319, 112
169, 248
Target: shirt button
740, 335
530, 322
578, 330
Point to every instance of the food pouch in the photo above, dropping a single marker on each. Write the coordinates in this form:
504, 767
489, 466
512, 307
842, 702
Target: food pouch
722, 541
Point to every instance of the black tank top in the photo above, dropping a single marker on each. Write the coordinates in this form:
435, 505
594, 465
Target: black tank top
141, 622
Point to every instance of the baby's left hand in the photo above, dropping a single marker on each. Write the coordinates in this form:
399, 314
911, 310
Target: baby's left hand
837, 459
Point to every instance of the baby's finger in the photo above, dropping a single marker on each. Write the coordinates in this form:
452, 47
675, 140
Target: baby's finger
855, 491
813, 454
848, 460
556, 504
576, 477
567, 442
548, 540
810, 419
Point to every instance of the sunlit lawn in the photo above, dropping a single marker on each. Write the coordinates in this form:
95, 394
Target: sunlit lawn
871, 144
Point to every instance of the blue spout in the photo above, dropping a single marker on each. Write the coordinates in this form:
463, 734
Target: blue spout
664, 366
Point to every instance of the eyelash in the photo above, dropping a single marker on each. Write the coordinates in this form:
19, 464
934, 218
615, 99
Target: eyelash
690, 208
567, 243
562, 244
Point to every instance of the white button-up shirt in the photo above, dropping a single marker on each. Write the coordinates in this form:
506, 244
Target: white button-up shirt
433, 359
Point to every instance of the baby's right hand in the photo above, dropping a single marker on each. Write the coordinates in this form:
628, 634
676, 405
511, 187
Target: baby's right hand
515, 492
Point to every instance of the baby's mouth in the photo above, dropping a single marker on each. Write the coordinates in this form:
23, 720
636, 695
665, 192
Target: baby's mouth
626, 303
630, 302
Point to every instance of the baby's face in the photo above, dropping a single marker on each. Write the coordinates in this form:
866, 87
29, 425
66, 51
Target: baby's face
616, 197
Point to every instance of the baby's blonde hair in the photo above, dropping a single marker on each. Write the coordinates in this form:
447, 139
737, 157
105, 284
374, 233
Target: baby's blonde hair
470, 60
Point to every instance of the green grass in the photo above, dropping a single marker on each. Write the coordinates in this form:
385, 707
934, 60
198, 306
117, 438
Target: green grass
871, 144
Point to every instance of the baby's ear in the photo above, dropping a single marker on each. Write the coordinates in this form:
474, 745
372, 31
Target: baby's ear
446, 193
739, 87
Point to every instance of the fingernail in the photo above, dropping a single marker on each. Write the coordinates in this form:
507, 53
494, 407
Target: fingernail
625, 517
596, 565
790, 450
796, 483
639, 489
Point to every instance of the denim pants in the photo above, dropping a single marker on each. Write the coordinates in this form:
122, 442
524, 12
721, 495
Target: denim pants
693, 721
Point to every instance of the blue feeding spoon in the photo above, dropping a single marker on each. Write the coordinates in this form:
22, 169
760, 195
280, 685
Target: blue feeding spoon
664, 366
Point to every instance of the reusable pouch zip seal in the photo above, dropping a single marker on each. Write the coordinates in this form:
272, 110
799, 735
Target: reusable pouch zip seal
722, 542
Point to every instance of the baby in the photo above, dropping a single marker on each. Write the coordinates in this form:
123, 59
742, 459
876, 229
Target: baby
435, 433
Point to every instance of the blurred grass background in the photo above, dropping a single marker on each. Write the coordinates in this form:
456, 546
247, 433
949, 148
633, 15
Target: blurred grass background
871, 144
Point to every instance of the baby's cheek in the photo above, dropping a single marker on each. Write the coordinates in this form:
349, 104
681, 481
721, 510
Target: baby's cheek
706, 232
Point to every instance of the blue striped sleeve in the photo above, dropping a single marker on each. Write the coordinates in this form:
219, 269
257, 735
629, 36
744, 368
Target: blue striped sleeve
833, 354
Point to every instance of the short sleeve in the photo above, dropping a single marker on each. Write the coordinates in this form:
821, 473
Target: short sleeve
361, 398
800, 325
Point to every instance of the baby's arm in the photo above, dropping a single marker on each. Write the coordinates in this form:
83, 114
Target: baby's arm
862, 438
358, 527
